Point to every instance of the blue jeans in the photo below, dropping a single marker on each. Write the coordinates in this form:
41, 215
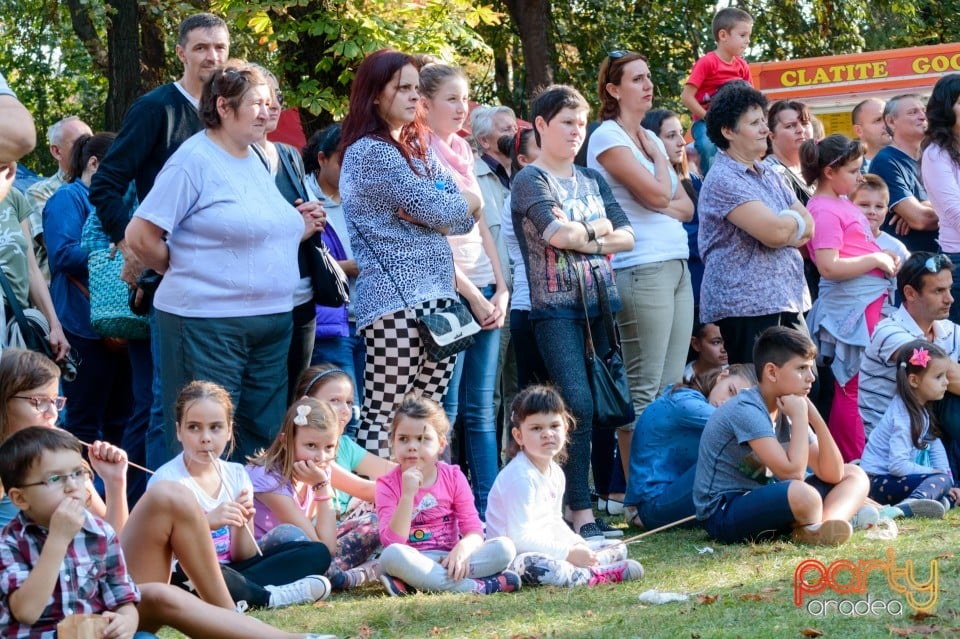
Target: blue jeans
245, 355
158, 447
562, 346
704, 145
348, 354
674, 503
477, 367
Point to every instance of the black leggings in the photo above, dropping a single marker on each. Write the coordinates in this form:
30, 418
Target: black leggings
278, 566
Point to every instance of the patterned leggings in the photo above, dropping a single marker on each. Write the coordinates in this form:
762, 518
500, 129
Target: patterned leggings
538, 569
397, 364
891, 489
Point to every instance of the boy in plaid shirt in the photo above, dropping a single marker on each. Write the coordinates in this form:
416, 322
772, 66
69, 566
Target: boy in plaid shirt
56, 559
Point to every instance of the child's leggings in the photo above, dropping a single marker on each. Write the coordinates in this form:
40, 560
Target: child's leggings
538, 569
280, 565
892, 489
423, 571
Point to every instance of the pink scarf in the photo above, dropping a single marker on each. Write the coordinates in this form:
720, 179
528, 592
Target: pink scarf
458, 158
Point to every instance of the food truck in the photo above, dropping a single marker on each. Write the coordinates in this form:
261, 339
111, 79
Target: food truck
832, 85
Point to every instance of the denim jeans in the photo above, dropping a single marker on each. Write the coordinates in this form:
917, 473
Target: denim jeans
704, 145
562, 346
245, 355
674, 503
348, 354
470, 396
301, 345
163, 449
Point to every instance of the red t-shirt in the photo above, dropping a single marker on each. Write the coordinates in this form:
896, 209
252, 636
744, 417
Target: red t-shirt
709, 73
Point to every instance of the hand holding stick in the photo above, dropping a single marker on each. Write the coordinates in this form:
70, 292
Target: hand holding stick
246, 526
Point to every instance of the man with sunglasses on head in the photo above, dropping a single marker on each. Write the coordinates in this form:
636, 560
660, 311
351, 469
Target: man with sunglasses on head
154, 127
923, 283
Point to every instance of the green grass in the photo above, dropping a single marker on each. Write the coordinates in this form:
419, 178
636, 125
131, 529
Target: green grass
737, 591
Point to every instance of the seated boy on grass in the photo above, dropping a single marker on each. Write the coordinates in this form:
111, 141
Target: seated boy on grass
751, 481
56, 559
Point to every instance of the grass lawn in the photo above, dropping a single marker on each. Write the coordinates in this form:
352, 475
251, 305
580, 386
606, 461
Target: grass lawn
736, 591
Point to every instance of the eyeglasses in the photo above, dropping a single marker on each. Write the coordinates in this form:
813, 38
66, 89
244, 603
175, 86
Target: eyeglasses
43, 404
56, 481
935, 263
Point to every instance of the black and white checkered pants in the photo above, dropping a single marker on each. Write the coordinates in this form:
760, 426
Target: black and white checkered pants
397, 364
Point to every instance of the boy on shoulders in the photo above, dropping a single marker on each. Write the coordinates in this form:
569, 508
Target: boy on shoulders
731, 30
751, 481
55, 557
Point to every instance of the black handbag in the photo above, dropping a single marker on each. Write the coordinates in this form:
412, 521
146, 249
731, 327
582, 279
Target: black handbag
444, 332
612, 404
329, 282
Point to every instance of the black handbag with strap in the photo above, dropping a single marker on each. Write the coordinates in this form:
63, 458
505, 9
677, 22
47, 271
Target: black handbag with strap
612, 404
329, 282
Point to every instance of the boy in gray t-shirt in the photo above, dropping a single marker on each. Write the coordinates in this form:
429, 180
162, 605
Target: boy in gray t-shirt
750, 482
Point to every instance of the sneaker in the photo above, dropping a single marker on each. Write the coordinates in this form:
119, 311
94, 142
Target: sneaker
506, 581
632, 517
396, 587
615, 573
611, 554
608, 531
301, 591
929, 508
242, 607
947, 504
832, 532
890, 512
591, 532
865, 518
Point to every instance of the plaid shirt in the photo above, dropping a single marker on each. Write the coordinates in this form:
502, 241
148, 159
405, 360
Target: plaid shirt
93, 575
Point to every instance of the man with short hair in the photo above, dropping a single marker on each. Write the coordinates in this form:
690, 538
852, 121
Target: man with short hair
914, 222
870, 129
923, 283
61, 137
154, 127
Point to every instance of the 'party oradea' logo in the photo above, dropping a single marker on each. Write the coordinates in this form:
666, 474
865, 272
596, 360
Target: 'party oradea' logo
847, 578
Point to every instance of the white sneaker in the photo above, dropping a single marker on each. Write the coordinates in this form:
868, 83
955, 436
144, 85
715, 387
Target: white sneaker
865, 518
301, 591
242, 607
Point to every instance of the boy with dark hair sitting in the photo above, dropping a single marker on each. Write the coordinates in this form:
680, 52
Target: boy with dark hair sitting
751, 481
56, 559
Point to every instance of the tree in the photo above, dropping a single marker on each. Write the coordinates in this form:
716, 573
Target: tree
532, 19
317, 45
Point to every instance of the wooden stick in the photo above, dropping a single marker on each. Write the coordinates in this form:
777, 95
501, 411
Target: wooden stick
246, 526
656, 530
129, 463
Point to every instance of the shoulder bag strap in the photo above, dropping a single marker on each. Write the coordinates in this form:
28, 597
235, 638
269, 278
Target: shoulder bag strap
605, 311
377, 257
291, 168
588, 344
79, 284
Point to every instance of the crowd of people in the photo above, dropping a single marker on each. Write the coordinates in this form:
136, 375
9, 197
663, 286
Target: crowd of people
782, 300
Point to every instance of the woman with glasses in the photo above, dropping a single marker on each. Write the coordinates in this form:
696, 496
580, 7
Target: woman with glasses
653, 278
226, 241
940, 170
750, 227
165, 523
567, 222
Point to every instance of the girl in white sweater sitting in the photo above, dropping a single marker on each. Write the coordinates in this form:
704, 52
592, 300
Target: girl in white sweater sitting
526, 502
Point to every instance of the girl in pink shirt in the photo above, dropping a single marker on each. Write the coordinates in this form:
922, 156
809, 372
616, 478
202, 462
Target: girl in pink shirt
854, 271
429, 526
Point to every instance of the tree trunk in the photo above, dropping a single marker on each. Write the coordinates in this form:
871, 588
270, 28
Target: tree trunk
123, 72
154, 64
532, 18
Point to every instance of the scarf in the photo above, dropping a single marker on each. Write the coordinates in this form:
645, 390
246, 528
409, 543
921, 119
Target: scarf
457, 157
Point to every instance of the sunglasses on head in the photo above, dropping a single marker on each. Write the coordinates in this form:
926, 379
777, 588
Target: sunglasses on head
935, 263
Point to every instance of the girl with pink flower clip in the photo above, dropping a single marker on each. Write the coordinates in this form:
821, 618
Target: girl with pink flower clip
904, 457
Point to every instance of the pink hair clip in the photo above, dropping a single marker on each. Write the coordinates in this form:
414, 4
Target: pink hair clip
921, 357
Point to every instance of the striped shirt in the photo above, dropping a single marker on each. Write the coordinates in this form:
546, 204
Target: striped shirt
878, 371
93, 575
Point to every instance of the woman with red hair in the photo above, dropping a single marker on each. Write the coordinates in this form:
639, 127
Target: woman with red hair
399, 203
